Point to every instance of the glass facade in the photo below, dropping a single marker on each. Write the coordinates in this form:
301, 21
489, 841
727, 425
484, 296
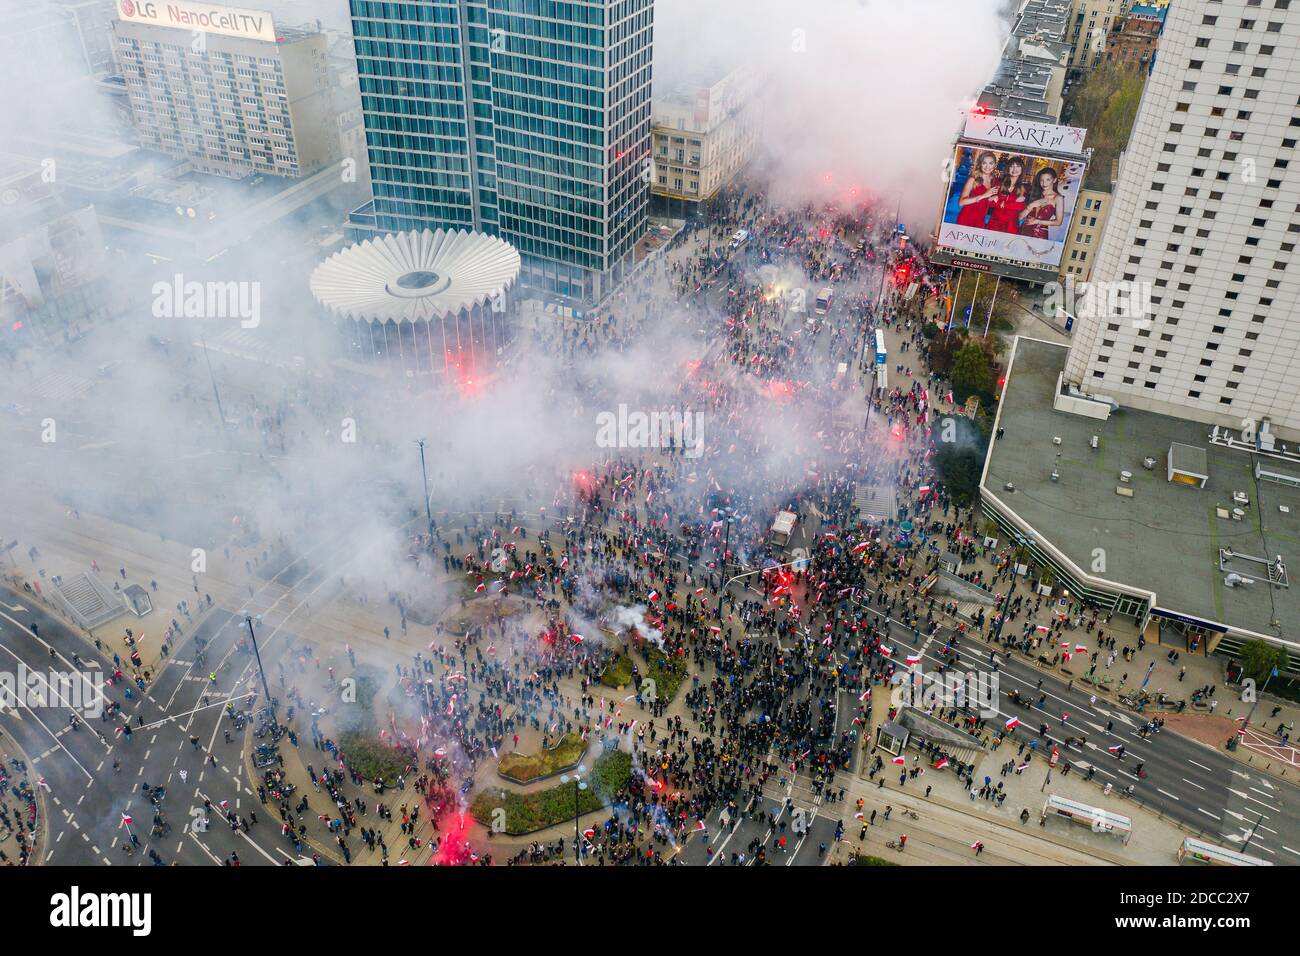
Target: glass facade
526, 119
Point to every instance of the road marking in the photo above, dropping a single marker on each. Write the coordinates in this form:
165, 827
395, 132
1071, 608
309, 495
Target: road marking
1166, 793
1201, 765
1289, 850
1209, 814
1193, 783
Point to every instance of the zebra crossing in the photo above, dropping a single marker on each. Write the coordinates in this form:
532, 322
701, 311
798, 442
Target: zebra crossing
61, 386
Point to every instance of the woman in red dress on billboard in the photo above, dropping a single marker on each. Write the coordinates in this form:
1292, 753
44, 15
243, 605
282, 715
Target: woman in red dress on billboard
1047, 207
1004, 212
981, 187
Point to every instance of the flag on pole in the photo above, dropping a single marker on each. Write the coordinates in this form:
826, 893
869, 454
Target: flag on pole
1013, 723
913, 659
943, 762
127, 820
900, 760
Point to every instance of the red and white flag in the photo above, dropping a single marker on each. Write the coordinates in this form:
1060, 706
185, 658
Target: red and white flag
128, 820
900, 760
1013, 723
913, 659
943, 762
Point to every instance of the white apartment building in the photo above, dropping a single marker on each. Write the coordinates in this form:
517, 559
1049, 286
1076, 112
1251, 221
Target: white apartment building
258, 102
1205, 216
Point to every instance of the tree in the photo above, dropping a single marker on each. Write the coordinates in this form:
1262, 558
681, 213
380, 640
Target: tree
959, 449
1258, 658
972, 373
1106, 105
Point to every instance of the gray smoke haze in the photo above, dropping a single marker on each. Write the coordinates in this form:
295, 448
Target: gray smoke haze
848, 107
864, 97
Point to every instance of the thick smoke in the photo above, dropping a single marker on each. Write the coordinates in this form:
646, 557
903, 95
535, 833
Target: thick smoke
863, 97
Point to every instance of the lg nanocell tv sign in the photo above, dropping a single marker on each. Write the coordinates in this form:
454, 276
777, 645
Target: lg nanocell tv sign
201, 17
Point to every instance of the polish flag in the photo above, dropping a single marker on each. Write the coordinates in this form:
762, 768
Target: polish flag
943, 762
859, 816
1013, 723
885, 651
576, 638
913, 659
1021, 766
440, 752
699, 591
1080, 649
900, 760
860, 547
589, 833
479, 587
654, 595
864, 695
1043, 628
716, 630
699, 825
1115, 748
127, 820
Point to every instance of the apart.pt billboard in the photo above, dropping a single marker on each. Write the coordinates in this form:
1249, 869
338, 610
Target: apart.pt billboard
1010, 205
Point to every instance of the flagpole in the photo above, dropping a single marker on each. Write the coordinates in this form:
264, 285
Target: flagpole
989, 318
973, 298
953, 305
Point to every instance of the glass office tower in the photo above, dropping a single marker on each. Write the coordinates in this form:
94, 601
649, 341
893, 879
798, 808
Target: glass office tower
524, 119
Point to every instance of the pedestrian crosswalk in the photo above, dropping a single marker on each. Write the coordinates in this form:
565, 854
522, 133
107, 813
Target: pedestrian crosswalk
61, 386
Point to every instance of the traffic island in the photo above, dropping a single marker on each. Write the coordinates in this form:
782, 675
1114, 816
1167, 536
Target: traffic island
549, 761
517, 814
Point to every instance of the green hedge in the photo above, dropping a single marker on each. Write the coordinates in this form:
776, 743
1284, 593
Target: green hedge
526, 812
525, 768
372, 758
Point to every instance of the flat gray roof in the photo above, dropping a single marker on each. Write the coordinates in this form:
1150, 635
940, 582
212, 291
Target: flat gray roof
1166, 538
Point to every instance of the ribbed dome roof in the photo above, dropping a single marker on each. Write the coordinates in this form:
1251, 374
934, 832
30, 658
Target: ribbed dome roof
413, 276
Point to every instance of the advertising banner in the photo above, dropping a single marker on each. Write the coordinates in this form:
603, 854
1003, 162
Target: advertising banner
1012, 205
199, 17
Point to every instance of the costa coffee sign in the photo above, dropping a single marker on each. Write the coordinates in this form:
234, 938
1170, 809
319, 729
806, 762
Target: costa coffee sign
199, 17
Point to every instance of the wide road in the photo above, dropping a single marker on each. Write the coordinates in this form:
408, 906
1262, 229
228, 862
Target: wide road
176, 724
1183, 779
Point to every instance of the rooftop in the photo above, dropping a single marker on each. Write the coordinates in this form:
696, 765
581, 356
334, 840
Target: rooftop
1167, 537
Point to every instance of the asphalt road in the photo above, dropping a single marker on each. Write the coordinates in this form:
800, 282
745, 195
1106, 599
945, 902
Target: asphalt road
1183, 779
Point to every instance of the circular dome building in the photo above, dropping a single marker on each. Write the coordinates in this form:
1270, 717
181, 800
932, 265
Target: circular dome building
426, 302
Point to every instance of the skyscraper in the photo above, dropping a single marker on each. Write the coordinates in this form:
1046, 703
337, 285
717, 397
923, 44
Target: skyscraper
1205, 218
525, 119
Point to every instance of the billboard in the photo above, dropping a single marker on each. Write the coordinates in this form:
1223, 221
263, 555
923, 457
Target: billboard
1012, 205
1024, 134
199, 17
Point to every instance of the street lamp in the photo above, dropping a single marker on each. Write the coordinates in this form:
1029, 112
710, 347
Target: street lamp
270, 701
578, 786
425, 490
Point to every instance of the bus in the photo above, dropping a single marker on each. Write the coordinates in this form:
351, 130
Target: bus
824, 299
1198, 851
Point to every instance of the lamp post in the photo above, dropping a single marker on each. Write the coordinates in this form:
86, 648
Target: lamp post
578, 786
424, 474
270, 701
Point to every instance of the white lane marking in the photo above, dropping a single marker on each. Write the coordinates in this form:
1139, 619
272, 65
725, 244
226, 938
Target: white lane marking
1193, 783
1209, 814
1166, 793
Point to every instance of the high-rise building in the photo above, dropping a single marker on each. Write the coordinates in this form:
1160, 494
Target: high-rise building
226, 89
524, 119
1204, 219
